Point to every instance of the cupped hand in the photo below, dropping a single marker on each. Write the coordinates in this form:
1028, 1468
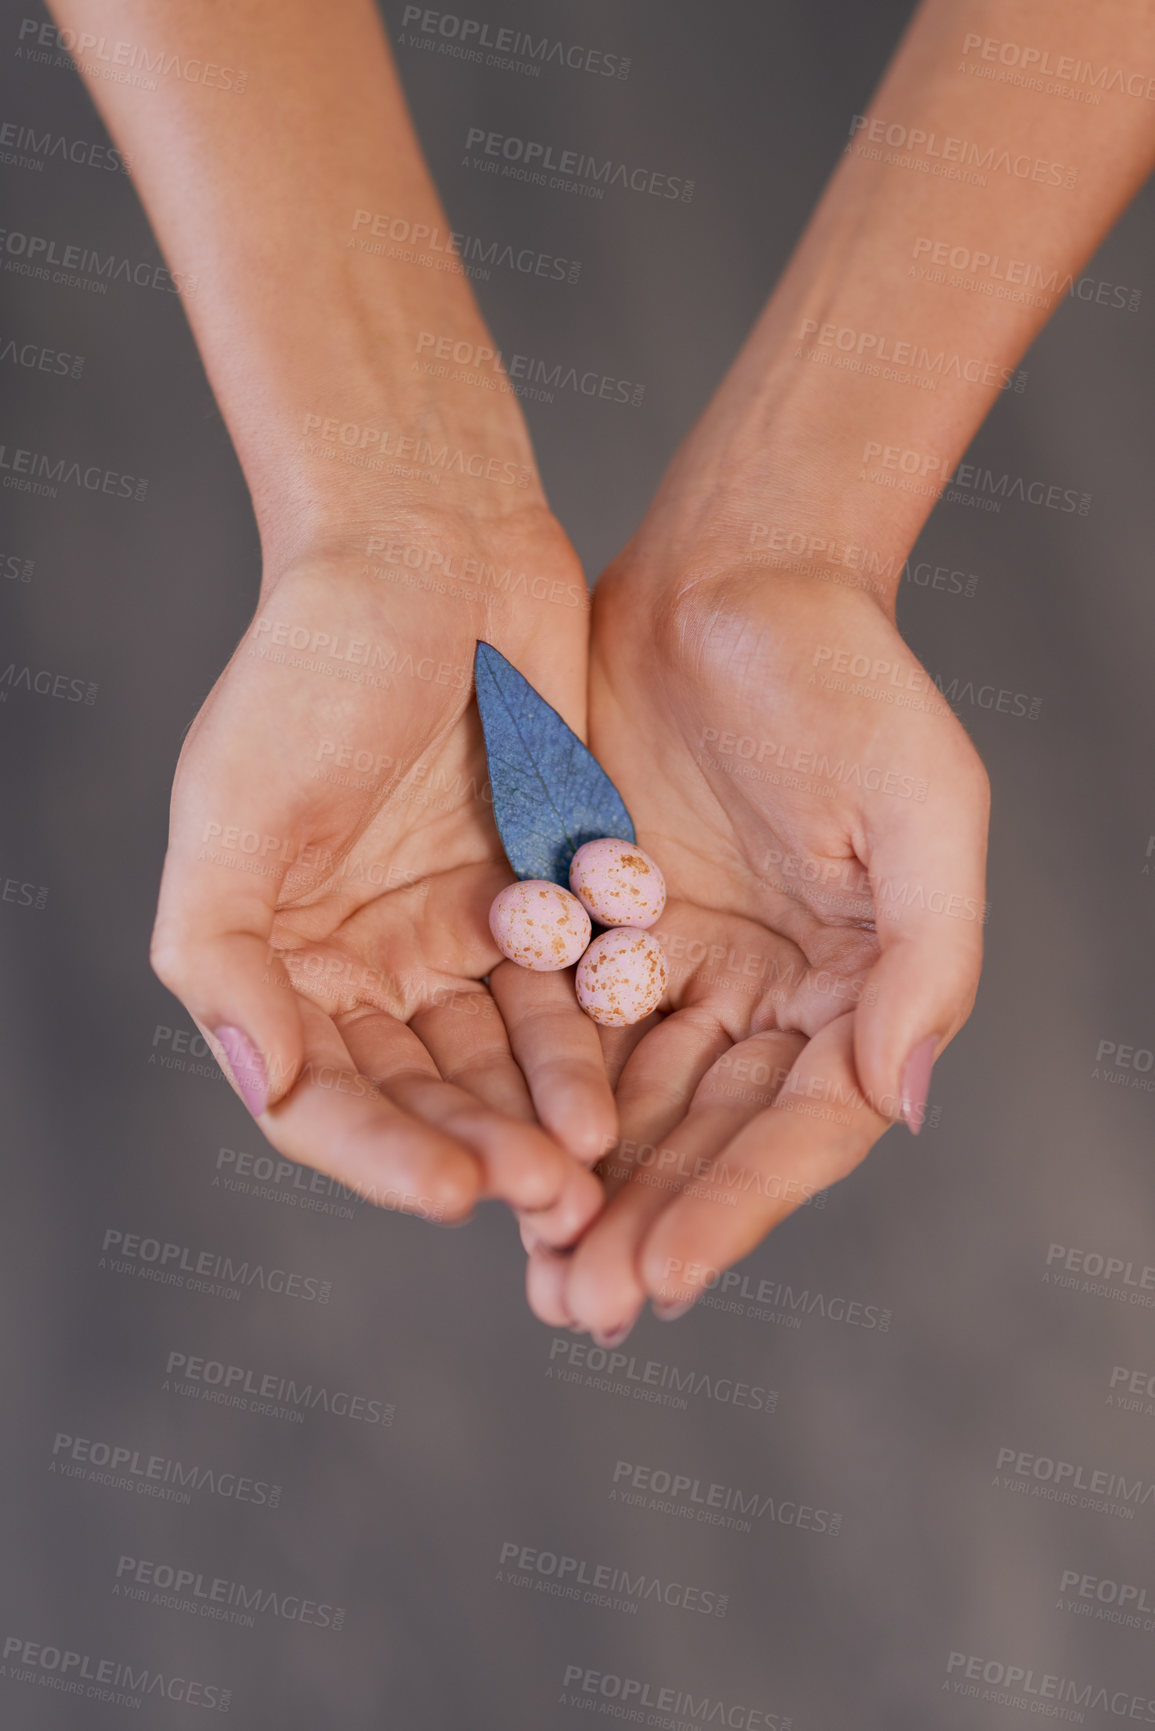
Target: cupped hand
820, 817
333, 855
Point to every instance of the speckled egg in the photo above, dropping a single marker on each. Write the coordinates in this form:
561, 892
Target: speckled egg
617, 883
621, 977
539, 925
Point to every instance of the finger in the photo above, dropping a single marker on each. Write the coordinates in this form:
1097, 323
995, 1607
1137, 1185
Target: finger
545, 1273
618, 1043
606, 1289
819, 1129
465, 1036
210, 946
656, 1086
240, 833
521, 1164
467, 1039
578, 1203
927, 871
557, 1046
336, 1120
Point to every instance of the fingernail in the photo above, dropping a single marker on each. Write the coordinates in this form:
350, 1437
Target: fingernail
669, 1310
248, 1068
614, 1336
916, 1083
529, 1238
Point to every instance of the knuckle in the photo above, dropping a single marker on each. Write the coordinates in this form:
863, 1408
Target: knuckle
538, 1182
979, 782
169, 959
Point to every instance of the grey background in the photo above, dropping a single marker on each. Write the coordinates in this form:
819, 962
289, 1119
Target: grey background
896, 1430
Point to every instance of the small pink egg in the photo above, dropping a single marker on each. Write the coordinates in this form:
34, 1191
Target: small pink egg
617, 883
539, 925
621, 977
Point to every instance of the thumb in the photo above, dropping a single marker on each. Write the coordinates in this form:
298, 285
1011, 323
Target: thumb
211, 947
927, 867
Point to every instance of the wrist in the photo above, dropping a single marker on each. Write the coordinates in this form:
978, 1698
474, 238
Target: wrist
357, 464
434, 575
342, 409
798, 472
788, 501
849, 406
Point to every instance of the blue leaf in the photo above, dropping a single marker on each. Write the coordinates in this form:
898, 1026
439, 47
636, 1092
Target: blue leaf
550, 794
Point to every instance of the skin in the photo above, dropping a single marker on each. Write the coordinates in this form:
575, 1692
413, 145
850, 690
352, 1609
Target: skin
360, 959
842, 925
354, 962
841, 922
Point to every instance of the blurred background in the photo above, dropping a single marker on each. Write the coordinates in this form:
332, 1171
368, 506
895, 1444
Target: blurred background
348, 1480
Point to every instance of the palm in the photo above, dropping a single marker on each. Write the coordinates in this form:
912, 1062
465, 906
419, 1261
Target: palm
784, 815
331, 814
385, 809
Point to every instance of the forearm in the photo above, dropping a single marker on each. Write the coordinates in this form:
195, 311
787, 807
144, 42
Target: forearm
269, 198
890, 336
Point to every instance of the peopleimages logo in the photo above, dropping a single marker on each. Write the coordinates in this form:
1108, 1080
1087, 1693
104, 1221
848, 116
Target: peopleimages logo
523, 375
464, 37
16, 568
994, 270
1101, 1274
121, 62
23, 894
161, 1260
1140, 1386
716, 1504
15, 137
527, 159
1108, 1601
268, 1177
731, 1289
649, 1379
605, 1585
979, 485
46, 684
441, 570
466, 254
804, 760
585, 1685
1064, 67
1014, 1685
274, 1396
884, 347
35, 252
38, 357
1069, 1482
961, 153
153, 1475
175, 1588
33, 472
114, 1681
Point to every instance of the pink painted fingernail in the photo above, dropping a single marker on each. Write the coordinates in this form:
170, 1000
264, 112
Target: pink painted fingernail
614, 1336
669, 1309
248, 1068
916, 1083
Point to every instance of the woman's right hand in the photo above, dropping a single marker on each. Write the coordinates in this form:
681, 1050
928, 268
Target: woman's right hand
333, 855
